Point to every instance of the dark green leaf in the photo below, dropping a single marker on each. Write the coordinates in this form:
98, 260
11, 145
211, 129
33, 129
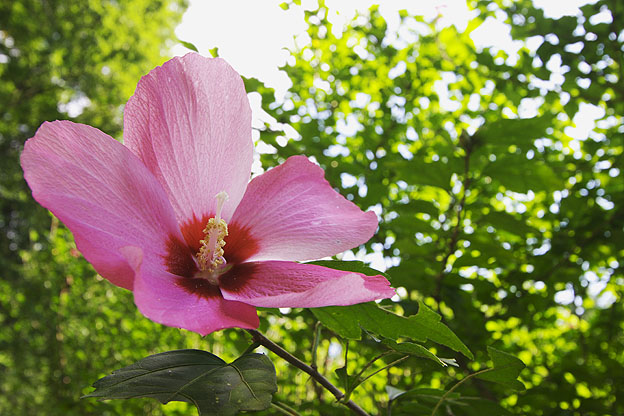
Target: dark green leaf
346, 381
422, 401
198, 377
504, 221
519, 131
506, 369
413, 349
511, 172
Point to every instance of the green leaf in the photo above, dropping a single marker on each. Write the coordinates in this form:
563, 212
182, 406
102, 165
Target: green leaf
346, 381
425, 394
188, 45
197, 377
518, 131
348, 321
214, 52
393, 392
511, 172
506, 369
350, 266
413, 349
502, 220
421, 401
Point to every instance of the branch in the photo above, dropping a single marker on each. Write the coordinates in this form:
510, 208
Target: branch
282, 353
317, 339
467, 145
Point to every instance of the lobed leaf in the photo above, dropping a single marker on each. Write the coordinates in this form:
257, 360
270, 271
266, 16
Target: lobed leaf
348, 322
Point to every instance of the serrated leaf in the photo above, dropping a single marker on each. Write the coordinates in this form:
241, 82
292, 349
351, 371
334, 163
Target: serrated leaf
506, 369
198, 377
348, 322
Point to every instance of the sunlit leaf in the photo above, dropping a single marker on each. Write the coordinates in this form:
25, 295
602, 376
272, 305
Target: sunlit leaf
350, 266
506, 369
188, 45
347, 321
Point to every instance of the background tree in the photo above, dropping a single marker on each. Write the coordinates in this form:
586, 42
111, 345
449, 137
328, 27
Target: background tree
503, 221
77, 60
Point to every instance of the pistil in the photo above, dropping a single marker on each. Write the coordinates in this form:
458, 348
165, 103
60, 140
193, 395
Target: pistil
210, 256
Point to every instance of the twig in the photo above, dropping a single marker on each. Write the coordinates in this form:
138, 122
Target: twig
459, 383
315, 343
467, 146
317, 339
282, 353
285, 409
371, 362
393, 363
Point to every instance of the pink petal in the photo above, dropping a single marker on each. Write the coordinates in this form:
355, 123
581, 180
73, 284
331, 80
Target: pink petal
180, 302
190, 122
103, 193
284, 284
292, 213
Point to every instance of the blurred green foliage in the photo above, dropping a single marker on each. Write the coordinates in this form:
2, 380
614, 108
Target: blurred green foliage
489, 212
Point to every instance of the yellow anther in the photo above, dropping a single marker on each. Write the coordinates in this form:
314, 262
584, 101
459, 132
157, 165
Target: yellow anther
210, 256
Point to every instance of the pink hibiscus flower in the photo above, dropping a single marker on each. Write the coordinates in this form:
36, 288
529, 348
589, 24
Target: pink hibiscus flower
173, 217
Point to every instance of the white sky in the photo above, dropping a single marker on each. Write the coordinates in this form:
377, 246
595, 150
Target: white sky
252, 34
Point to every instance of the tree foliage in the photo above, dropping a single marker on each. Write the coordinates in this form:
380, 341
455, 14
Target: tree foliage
488, 214
502, 227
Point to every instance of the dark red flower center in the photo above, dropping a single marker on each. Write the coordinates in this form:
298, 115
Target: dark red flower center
181, 259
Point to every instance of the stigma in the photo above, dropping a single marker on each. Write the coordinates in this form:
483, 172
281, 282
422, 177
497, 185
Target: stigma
210, 258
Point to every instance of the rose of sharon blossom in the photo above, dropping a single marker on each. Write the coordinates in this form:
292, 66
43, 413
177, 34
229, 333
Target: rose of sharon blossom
173, 217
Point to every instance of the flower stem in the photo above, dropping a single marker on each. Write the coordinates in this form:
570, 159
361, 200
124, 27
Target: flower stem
282, 353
